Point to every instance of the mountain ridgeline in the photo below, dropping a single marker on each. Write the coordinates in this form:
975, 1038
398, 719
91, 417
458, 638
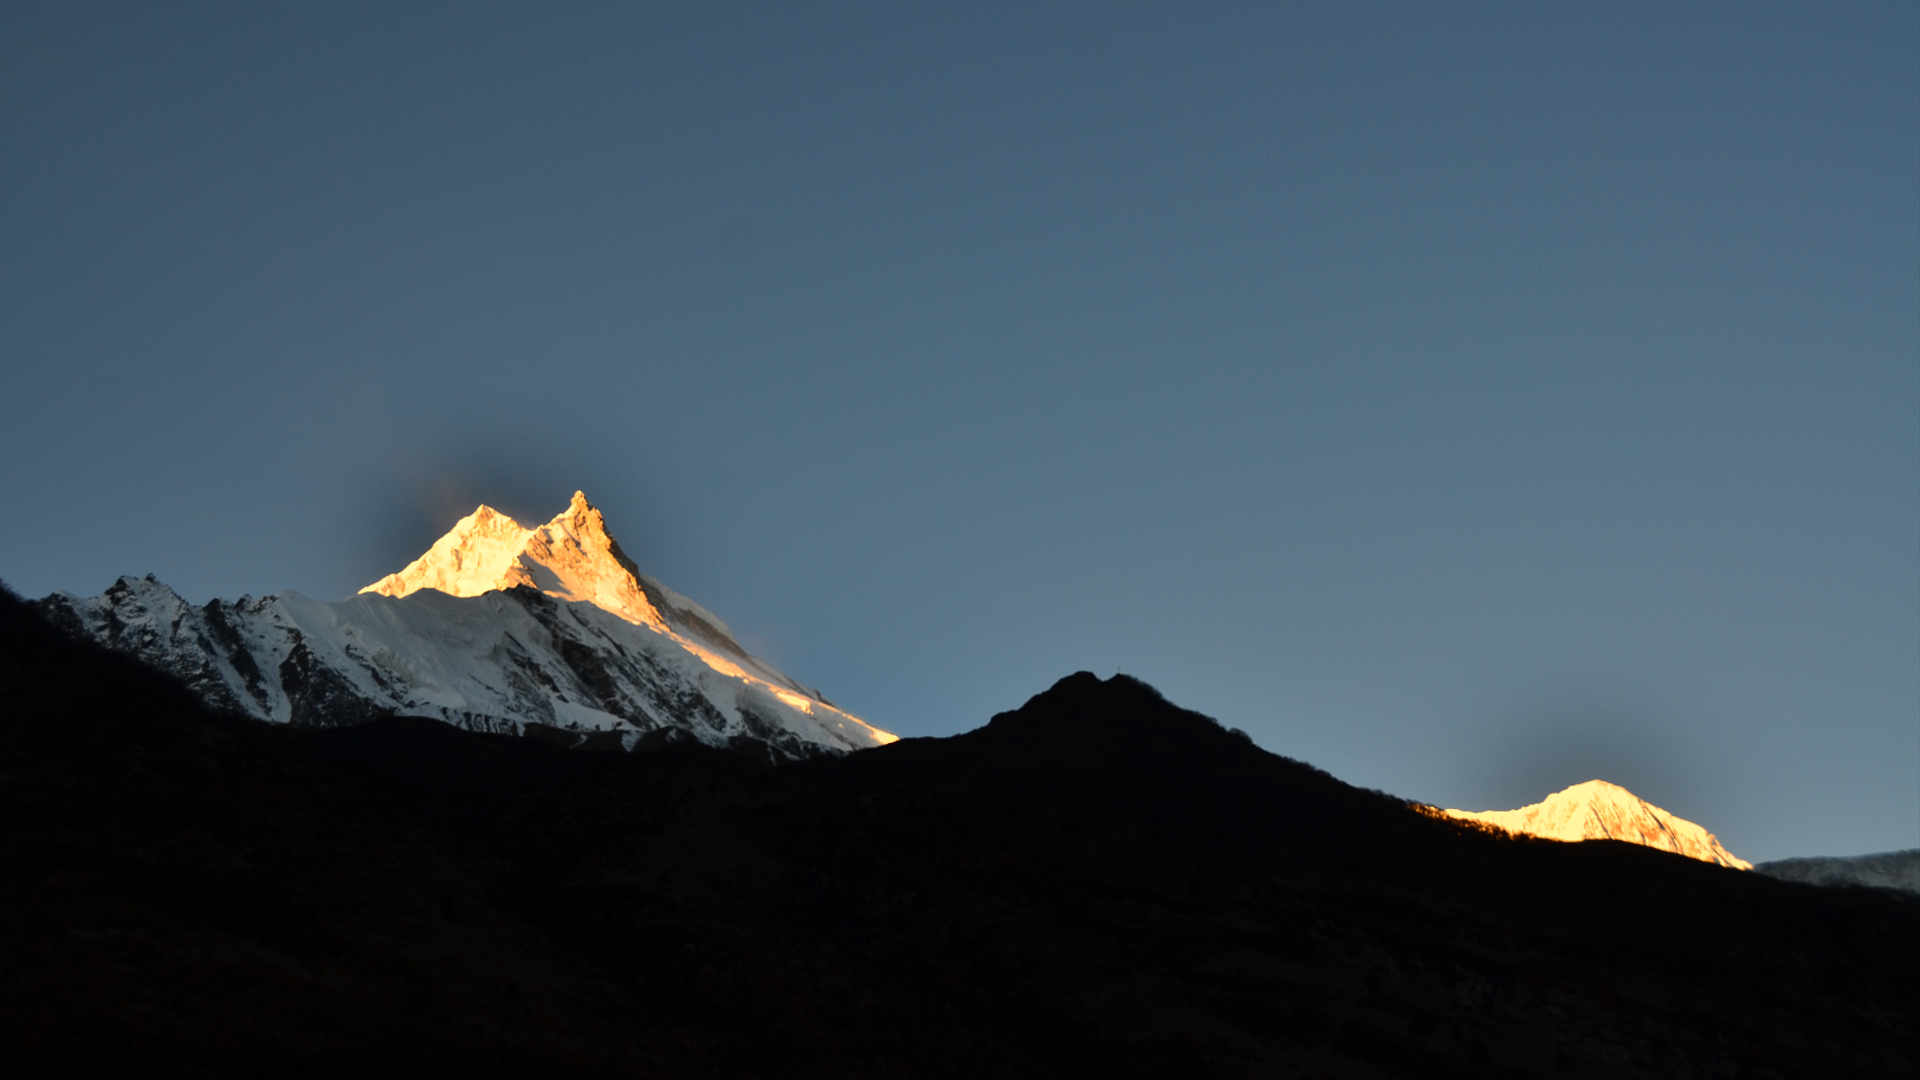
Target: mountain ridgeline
550, 630
1098, 883
1882, 870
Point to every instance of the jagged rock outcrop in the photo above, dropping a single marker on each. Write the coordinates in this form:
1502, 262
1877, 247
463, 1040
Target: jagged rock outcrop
1597, 810
497, 627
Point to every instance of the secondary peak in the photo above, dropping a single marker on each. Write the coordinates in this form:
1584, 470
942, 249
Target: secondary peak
582, 516
1598, 810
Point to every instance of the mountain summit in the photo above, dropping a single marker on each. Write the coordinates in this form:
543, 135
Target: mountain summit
1597, 810
571, 557
498, 627
574, 558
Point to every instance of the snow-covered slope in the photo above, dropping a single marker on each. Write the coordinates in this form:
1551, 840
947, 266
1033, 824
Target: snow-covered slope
573, 557
496, 627
1597, 810
1887, 870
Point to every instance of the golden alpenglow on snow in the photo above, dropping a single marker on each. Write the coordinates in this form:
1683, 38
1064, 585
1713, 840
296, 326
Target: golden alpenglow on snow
549, 631
1597, 810
571, 557
574, 558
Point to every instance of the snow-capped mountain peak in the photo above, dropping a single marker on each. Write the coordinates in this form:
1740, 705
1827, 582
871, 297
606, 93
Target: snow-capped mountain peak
571, 557
497, 627
574, 558
1597, 810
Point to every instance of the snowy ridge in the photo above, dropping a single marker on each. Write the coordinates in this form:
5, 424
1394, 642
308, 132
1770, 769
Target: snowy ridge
573, 557
495, 628
1597, 810
1887, 870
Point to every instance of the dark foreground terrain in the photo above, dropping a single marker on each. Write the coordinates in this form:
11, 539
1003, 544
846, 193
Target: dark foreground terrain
1098, 884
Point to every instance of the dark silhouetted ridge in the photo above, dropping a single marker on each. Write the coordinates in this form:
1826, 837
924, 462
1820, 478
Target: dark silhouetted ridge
1098, 883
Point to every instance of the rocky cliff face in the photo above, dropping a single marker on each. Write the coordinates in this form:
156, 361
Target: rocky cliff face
1597, 810
497, 627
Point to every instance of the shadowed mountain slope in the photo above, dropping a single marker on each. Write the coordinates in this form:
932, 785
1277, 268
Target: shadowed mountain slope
1098, 883
1883, 870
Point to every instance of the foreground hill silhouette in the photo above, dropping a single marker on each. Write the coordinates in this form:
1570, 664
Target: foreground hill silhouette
1098, 883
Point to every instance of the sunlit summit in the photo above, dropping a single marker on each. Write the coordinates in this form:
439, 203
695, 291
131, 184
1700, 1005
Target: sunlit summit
498, 627
574, 558
1597, 810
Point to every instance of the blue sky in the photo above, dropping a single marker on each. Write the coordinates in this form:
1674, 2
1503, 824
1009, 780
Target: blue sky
1470, 400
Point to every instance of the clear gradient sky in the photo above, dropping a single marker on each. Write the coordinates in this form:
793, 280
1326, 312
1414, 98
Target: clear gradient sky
1469, 399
